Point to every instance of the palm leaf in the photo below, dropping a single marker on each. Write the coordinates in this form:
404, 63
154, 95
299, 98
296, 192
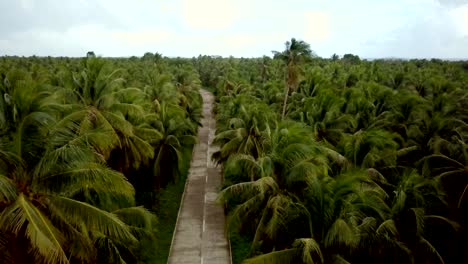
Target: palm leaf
77, 175
310, 250
341, 233
137, 217
45, 240
99, 220
108, 251
431, 249
8, 191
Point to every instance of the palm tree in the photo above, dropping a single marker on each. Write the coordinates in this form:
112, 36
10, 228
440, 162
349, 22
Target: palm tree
380, 116
366, 148
245, 133
411, 193
303, 250
335, 207
176, 135
448, 166
271, 200
322, 113
295, 52
24, 108
49, 208
96, 102
56, 199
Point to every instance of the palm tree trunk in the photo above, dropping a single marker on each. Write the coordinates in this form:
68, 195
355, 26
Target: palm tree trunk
157, 170
289, 82
286, 94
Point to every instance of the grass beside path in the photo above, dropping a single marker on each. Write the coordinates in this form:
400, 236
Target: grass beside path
169, 202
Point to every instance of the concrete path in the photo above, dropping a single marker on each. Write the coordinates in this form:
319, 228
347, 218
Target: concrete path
199, 235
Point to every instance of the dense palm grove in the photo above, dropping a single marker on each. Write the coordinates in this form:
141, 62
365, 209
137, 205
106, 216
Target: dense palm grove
336, 160
82, 147
342, 160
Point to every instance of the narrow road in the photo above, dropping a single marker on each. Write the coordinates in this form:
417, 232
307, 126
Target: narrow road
199, 235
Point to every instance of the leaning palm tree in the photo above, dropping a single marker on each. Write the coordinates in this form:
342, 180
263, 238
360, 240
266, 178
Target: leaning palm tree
295, 52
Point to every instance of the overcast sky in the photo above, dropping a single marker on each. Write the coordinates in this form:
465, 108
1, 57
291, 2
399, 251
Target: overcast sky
247, 28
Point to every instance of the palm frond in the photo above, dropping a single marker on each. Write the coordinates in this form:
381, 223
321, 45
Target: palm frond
137, 217
388, 228
338, 259
431, 249
341, 233
45, 240
99, 220
8, 190
108, 252
310, 249
75, 176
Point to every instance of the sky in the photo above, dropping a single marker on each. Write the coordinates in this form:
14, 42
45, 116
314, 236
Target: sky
240, 28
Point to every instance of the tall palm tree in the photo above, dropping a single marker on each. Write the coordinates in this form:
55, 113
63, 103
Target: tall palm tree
295, 52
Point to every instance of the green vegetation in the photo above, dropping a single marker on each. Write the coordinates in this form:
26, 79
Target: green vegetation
342, 160
169, 203
92, 151
240, 246
338, 160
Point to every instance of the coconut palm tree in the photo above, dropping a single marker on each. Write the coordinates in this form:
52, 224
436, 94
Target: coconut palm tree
409, 205
245, 133
176, 135
271, 198
59, 210
293, 55
97, 101
448, 166
56, 199
366, 148
336, 208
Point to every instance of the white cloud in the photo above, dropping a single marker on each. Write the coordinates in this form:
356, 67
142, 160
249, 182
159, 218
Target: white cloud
460, 16
317, 26
41, 43
143, 37
407, 28
452, 2
241, 45
209, 14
